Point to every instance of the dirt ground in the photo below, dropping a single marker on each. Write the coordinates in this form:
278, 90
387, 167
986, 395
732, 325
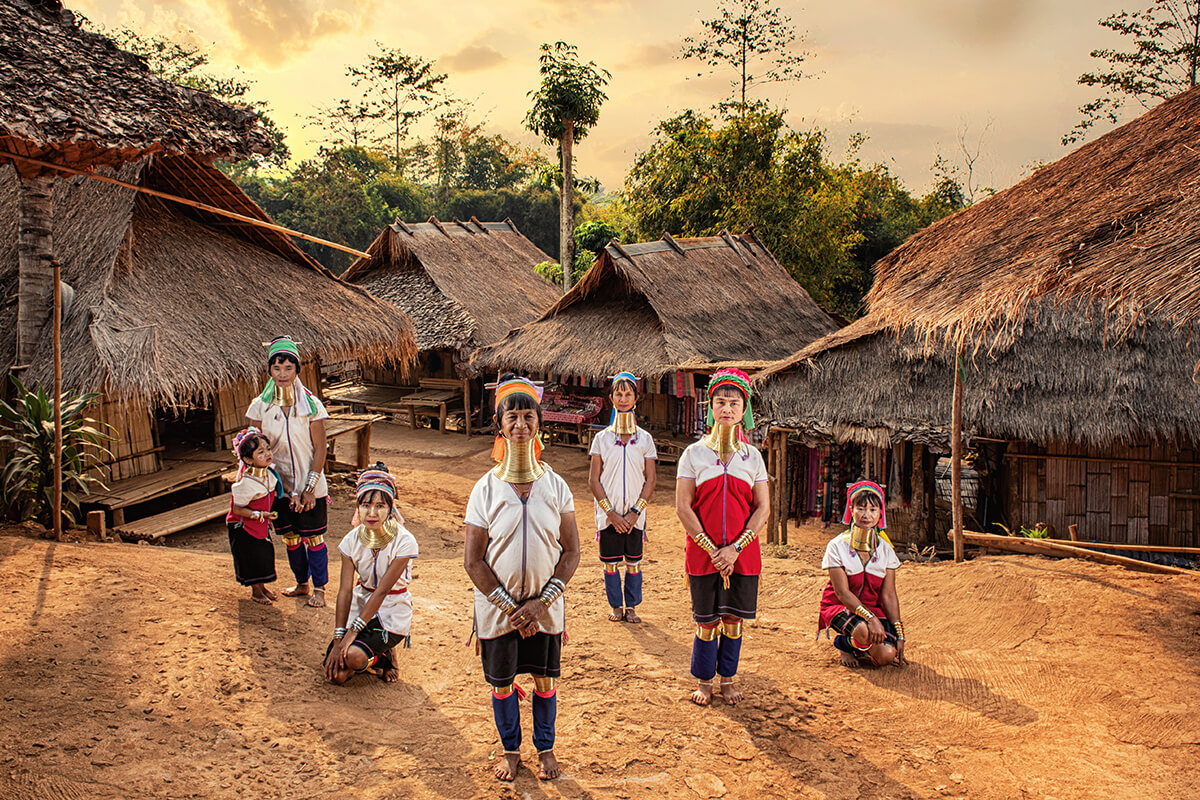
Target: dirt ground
142, 671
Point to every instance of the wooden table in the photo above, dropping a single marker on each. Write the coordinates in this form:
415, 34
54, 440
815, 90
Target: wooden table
339, 425
176, 474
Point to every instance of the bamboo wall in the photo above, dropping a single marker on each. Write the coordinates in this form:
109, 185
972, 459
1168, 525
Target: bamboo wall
132, 450
1136, 494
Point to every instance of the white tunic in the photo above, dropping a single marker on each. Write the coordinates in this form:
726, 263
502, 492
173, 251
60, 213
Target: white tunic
839, 553
248, 488
623, 474
291, 442
396, 612
700, 463
523, 544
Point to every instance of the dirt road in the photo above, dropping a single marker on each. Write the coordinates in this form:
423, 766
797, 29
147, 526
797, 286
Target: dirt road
140, 671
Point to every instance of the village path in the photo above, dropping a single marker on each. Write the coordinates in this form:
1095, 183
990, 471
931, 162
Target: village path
139, 671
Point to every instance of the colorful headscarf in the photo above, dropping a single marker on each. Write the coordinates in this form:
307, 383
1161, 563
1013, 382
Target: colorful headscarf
621, 376
242, 436
375, 479
738, 380
306, 403
865, 487
506, 389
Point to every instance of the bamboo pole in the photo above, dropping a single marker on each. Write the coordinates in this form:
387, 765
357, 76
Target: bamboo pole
58, 433
956, 457
1136, 548
784, 489
192, 203
1044, 548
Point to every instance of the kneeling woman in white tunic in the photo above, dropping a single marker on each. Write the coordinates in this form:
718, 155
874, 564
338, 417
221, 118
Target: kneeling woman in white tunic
522, 547
374, 607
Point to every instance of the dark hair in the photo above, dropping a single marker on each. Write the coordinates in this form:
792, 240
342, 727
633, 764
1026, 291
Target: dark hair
371, 496
624, 383
248, 445
727, 391
866, 499
518, 401
279, 358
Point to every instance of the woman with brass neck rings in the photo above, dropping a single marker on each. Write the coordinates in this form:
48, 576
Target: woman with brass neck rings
522, 547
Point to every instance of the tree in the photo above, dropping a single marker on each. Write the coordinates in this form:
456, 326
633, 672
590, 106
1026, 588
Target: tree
346, 123
754, 38
399, 89
565, 107
183, 63
1163, 61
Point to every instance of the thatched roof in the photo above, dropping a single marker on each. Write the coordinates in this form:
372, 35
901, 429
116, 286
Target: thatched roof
663, 306
464, 284
170, 301
1116, 221
73, 98
1059, 373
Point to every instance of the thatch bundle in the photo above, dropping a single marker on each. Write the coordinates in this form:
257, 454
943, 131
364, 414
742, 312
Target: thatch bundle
658, 307
1117, 221
74, 98
168, 304
464, 284
1058, 373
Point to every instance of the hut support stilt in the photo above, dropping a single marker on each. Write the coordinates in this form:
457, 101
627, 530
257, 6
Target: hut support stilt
58, 390
784, 502
956, 457
776, 487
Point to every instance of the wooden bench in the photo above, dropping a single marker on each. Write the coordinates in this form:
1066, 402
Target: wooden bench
176, 474
438, 393
177, 519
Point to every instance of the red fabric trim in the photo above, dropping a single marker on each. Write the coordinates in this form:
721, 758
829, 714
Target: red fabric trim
723, 506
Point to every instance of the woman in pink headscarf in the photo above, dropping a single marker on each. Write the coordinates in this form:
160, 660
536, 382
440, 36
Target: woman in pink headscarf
860, 603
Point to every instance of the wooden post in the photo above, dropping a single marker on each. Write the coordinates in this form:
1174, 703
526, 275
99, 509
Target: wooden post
1074, 531
467, 406
773, 473
95, 524
363, 456
58, 434
956, 456
783, 490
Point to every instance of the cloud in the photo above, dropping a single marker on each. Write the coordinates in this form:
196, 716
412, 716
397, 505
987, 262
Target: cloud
983, 21
650, 55
273, 31
473, 57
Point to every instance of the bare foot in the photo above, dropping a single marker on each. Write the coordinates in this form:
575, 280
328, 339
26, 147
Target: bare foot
299, 590
729, 692
269, 594
703, 694
506, 770
848, 660
617, 615
390, 675
631, 616
260, 598
549, 766
318, 598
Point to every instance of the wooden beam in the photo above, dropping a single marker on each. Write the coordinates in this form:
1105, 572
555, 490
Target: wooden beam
956, 456
1096, 459
258, 223
1043, 548
1137, 548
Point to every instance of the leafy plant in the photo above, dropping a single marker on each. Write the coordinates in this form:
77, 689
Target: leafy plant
27, 480
1039, 531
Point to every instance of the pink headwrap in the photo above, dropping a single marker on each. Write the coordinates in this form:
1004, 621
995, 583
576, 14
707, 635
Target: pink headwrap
870, 488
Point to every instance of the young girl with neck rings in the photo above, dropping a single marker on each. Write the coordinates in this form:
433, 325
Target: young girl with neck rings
250, 515
622, 480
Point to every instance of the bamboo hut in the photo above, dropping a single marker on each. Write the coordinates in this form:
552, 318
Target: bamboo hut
670, 311
463, 284
1075, 294
168, 306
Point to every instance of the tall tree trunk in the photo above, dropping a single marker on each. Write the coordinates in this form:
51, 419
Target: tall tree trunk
35, 274
566, 213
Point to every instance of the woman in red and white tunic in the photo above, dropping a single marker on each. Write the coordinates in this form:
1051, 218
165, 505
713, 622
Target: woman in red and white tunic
722, 499
860, 603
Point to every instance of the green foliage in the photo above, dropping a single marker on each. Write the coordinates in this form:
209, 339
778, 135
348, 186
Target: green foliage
827, 223
1162, 61
27, 482
1039, 531
754, 39
184, 63
398, 89
570, 92
593, 236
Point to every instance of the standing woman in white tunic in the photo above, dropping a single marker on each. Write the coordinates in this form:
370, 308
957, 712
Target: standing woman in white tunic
522, 547
293, 420
374, 607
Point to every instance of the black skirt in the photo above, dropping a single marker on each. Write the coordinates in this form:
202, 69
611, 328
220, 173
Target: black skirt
711, 600
253, 558
510, 655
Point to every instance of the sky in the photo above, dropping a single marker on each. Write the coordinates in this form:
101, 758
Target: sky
913, 76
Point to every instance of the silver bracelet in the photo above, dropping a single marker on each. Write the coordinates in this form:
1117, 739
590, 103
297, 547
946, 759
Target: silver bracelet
553, 590
311, 482
501, 599
358, 624
339, 633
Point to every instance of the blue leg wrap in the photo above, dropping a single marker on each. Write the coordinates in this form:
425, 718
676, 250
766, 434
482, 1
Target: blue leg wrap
298, 561
507, 711
728, 654
545, 712
318, 564
612, 588
633, 589
704, 659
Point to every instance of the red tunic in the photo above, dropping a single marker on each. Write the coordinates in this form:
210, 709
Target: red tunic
723, 502
258, 528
